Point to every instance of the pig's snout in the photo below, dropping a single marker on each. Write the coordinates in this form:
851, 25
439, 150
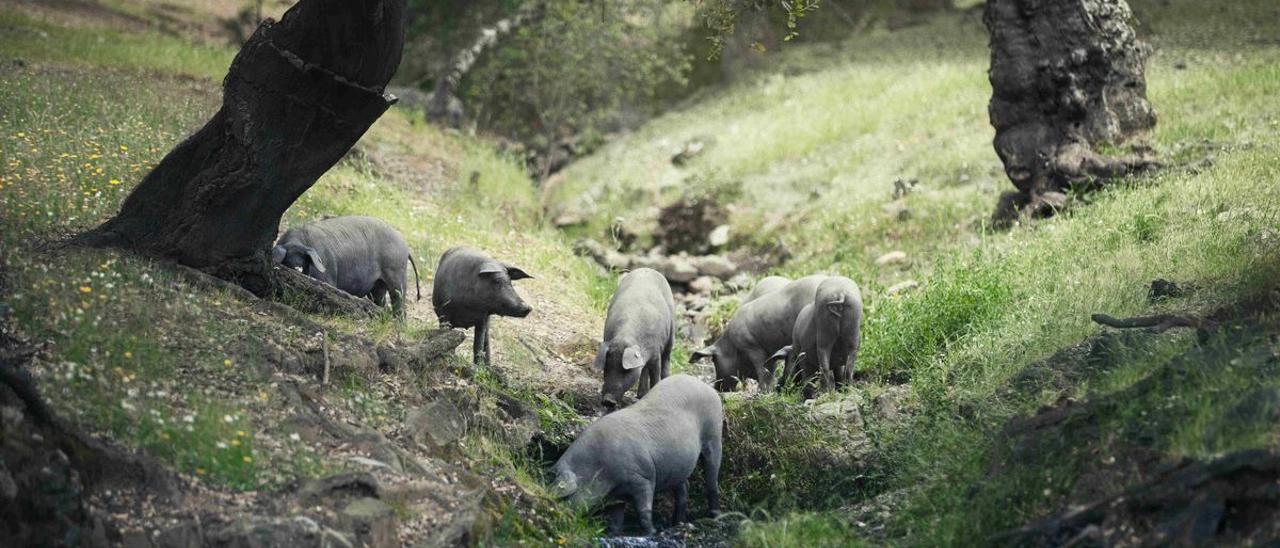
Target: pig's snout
523, 309
609, 401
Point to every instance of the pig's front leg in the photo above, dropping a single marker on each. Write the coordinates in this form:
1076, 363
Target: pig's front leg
480, 347
681, 514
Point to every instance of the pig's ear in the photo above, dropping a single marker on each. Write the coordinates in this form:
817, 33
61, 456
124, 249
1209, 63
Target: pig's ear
632, 358
278, 254
515, 272
704, 353
600, 356
836, 308
315, 259
490, 268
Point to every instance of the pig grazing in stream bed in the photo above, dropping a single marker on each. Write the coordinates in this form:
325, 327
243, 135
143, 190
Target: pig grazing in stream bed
826, 337
469, 287
650, 447
639, 332
759, 329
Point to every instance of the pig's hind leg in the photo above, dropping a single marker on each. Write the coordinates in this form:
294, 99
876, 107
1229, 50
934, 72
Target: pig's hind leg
681, 513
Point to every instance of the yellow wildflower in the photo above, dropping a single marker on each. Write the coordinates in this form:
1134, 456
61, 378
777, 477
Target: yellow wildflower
114, 181
247, 458
226, 363
86, 289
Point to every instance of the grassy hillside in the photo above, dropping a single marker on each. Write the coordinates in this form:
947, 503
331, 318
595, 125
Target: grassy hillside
940, 443
131, 350
809, 152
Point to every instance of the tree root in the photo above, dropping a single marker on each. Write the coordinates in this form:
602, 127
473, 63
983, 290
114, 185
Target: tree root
1155, 324
314, 296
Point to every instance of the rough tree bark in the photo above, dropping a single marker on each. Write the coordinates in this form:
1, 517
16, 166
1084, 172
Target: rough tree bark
445, 106
1067, 79
298, 95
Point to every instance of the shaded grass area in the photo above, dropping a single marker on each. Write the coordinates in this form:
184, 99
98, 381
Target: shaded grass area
136, 354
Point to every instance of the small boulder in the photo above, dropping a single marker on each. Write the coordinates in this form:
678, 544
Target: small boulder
892, 258
715, 266
371, 521
436, 424
702, 285
901, 287
719, 236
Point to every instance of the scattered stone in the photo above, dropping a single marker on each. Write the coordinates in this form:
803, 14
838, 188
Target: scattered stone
715, 265
348, 485
256, 531
436, 424
702, 285
1162, 289
901, 287
719, 237
903, 187
689, 151
890, 405
568, 219
847, 409
892, 258
371, 521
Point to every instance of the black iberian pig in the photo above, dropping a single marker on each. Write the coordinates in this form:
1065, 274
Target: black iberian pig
469, 287
766, 285
363, 256
757, 330
826, 338
639, 332
647, 448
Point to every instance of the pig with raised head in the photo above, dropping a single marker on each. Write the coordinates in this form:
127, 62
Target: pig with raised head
826, 338
766, 285
469, 287
758, 330
363, 256
647, 448
639, 332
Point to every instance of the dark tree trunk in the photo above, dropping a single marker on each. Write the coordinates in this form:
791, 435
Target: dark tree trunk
1067, 78
299, 94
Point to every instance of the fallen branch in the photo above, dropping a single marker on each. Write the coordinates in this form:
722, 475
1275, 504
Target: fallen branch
1155, 324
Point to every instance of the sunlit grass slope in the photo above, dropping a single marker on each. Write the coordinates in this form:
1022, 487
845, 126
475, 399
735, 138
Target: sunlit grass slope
809, 151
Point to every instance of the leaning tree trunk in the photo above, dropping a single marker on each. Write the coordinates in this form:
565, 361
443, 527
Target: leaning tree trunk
1067, 79
298, 95
445, 106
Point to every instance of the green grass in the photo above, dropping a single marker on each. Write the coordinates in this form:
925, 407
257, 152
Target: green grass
40, 41
812, 157
809, 160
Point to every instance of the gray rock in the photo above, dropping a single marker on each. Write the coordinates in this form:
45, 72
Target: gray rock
318, 491
371, 521
437, 424
892, 404
892, 258
719, 236
256, 532
702, 284
715, 265
847, 409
